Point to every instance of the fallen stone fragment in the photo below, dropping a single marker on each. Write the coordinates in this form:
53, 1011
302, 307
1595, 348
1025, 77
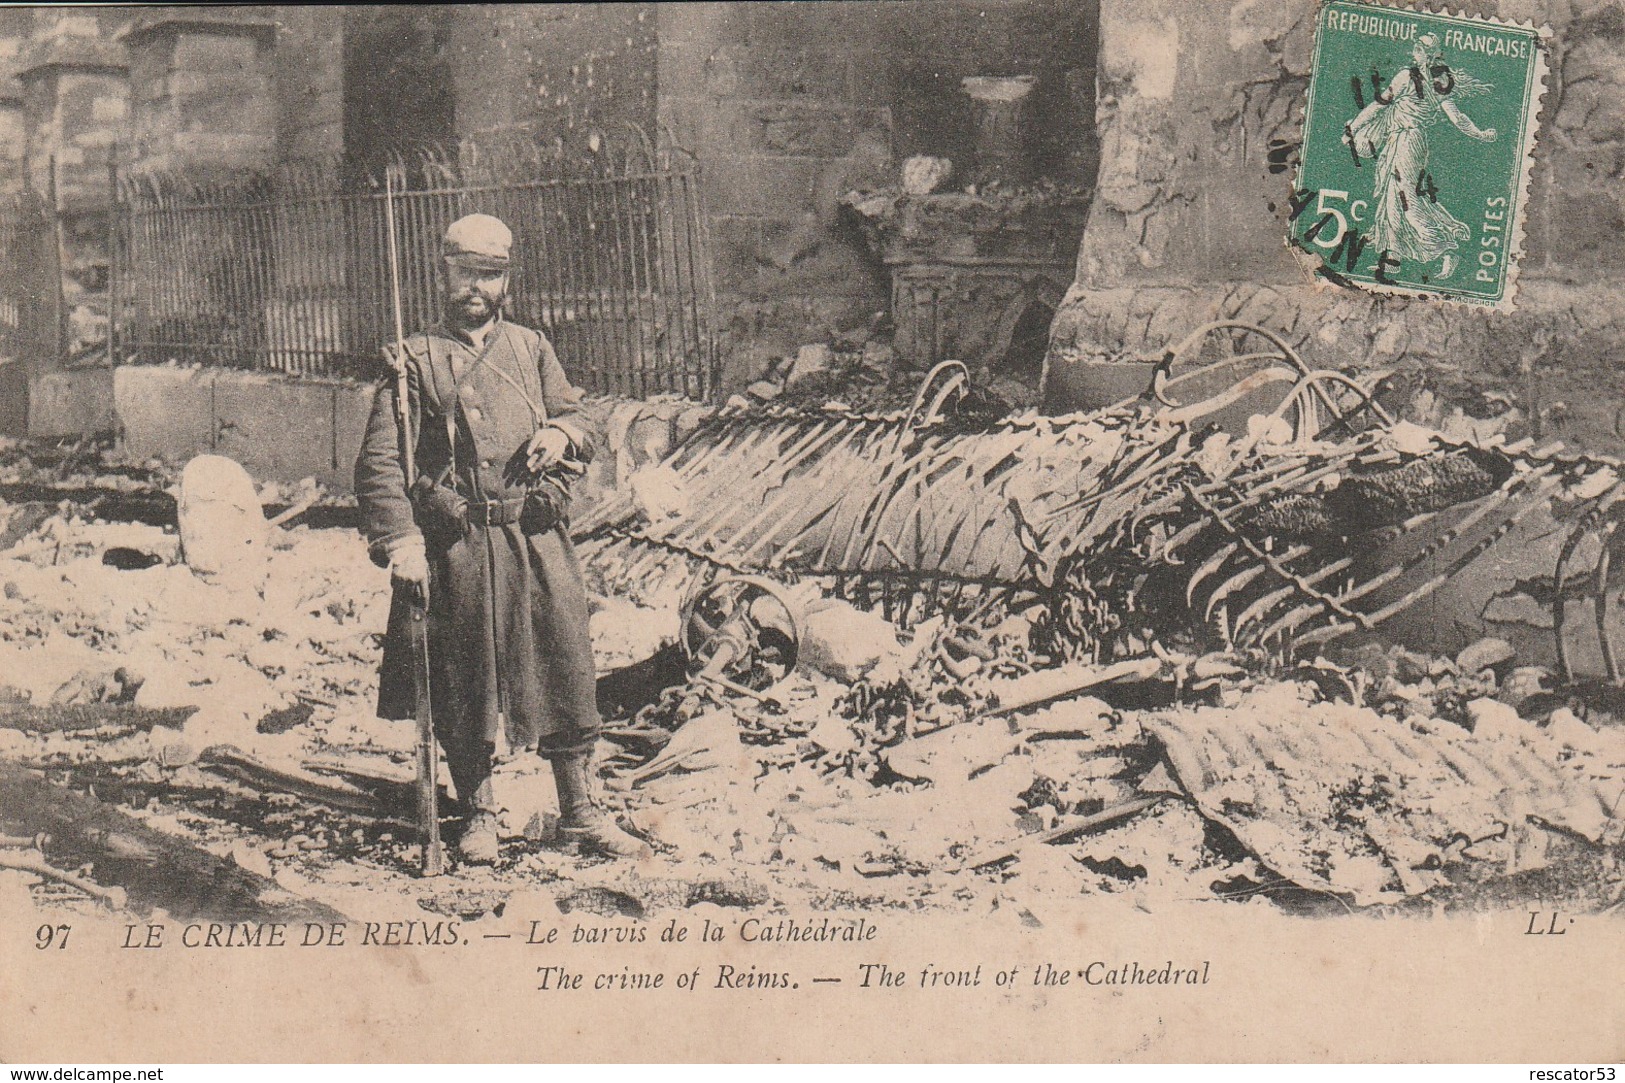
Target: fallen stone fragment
1525, 682
223, 530
1567, 729
841, 641
1491, 719
170, 747
1487, 653
1409, 667
92, 686
658, 493
923, 174
810, 361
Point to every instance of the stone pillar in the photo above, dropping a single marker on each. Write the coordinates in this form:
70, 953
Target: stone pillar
14, 30
75, 101
202, 109
1199, 111
13, 138
309, 82
200, 89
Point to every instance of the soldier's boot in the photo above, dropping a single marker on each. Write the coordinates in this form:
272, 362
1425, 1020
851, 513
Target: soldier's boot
478, 844
580, 818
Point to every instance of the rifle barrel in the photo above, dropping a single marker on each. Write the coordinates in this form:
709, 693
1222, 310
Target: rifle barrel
408, 452
428, 765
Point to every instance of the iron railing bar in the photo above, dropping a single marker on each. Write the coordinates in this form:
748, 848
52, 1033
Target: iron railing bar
633, 315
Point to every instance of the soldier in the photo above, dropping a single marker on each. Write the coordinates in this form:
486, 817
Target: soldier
484, 533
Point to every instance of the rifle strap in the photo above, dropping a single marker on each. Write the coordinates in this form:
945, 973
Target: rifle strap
538, 415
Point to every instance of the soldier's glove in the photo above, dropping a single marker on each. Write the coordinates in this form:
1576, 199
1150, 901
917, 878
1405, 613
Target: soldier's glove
409, 564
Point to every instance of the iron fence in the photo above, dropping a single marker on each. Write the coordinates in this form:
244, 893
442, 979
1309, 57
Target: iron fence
288, 271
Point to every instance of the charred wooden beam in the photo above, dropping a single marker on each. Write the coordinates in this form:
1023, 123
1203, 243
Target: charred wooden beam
154, 869
66, 717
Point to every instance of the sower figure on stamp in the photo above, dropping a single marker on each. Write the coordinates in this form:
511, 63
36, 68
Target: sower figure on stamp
1408, 220
484, 533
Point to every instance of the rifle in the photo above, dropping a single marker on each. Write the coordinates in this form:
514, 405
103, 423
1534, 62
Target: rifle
428, 758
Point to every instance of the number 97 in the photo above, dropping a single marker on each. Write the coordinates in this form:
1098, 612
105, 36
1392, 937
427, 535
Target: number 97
46, 935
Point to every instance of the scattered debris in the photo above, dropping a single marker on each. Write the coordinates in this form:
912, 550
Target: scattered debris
930, 656
1350, 801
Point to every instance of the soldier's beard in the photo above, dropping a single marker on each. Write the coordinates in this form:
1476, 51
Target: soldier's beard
471, 308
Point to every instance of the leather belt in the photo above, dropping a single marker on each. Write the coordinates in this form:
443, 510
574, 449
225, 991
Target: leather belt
495, 512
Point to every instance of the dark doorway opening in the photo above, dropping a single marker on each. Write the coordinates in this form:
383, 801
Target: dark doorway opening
1029, 342
397, 83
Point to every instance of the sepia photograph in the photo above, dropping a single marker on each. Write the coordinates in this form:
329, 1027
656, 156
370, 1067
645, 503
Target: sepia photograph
861, 530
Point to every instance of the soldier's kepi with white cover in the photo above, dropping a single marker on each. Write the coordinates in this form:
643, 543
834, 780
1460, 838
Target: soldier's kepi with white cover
507, 610
478, 241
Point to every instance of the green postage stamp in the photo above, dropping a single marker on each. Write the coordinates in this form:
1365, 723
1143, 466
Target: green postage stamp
1417, 144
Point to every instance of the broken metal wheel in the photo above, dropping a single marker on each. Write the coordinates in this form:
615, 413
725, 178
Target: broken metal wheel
741, 630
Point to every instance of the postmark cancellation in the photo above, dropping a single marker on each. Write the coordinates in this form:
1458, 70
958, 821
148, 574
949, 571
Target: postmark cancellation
1418, 140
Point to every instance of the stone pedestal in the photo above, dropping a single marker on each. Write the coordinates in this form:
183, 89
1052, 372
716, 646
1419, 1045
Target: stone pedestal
975, 278
201, 91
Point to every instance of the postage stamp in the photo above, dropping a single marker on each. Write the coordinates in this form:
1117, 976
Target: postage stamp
1417, 146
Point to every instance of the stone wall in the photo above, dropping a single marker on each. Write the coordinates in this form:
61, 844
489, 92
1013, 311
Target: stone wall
791, 105
786, 106
1190, 219
287, 430
15, 25
556, 69
309, 82
76, 103
398, 90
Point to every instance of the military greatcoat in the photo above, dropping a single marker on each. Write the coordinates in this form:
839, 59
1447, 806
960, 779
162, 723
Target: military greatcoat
507, 618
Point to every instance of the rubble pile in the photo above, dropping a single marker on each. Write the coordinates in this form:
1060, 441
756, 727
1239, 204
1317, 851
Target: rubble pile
165, 636
921, 658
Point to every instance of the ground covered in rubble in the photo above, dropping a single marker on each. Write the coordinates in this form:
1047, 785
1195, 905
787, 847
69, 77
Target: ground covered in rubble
950, 767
